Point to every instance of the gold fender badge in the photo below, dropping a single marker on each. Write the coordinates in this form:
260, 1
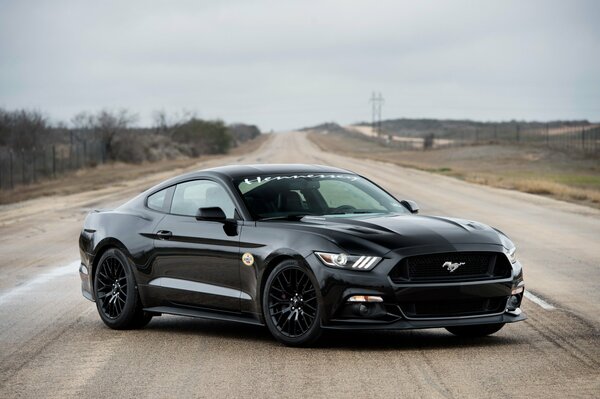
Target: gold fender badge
248, 259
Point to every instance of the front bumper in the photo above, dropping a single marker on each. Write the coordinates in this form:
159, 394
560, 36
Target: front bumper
86, 284
86, 276
337, 285
402, 324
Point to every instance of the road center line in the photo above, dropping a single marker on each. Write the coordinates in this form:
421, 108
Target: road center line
70, 268
538, 301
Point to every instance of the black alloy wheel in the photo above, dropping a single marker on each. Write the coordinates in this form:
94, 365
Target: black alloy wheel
291, 305
117, 298
111, 291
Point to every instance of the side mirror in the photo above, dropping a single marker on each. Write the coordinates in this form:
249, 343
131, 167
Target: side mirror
410, 205
212, 214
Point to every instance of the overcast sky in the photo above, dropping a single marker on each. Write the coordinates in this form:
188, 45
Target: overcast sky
283, 65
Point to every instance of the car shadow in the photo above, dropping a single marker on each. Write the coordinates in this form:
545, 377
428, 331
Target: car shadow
212, 328
408, 340
351, 340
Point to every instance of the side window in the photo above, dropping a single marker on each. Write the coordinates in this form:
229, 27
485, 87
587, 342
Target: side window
157, 200
191, 195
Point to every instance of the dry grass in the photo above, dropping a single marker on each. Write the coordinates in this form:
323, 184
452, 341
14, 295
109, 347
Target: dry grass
541, 187
103, 175
542, 171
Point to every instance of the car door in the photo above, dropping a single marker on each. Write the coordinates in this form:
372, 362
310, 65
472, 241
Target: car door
197, 262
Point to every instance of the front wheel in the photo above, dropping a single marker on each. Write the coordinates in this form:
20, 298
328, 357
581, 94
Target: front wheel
291, 305
117, 298
476, 330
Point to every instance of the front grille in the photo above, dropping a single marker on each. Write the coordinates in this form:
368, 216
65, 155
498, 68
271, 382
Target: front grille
454, 308
430, 268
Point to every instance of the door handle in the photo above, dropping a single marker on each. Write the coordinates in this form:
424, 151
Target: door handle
164, 234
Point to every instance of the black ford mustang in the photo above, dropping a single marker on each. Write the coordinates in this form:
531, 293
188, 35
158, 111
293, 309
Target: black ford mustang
298, 248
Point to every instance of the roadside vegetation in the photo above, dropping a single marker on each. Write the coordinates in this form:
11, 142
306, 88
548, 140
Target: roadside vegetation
450, 128
564, 175
34, 150
169, 137
115, 173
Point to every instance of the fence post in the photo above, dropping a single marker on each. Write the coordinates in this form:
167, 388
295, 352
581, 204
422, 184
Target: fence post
22, 166
54, 161
10, 168
33, 165
583, 138
547, 135
84, 152
518, 133
45, 168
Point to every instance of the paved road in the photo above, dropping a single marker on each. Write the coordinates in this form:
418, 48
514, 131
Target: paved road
52, 343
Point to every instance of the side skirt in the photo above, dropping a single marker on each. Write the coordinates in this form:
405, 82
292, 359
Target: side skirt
204, 314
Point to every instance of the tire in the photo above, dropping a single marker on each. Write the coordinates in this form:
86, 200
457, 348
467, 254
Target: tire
475, 331
291, 305
117, 298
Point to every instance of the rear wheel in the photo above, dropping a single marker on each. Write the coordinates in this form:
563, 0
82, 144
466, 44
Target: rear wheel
476, 330
117, 299
291, 305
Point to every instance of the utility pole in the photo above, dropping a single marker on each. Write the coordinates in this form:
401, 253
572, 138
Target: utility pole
377, 104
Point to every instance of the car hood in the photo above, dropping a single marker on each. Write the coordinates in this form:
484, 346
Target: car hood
402, 231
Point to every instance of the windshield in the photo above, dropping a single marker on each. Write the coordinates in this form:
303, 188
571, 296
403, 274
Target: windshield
287, 196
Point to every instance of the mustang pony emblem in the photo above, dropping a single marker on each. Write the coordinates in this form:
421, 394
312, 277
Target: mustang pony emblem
452, 266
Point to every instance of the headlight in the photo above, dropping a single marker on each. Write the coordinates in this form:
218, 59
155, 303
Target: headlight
512, 254
509, 248
352, 262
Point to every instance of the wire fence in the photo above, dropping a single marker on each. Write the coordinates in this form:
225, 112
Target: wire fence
585, 139
20, 167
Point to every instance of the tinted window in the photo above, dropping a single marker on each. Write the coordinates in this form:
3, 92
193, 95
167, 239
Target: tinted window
196, 194
157, 200
340, 193
315, 194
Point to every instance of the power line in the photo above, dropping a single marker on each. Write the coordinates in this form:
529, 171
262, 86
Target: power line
377, 102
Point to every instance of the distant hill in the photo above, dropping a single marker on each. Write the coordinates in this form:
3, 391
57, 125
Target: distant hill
327, 127
452, 128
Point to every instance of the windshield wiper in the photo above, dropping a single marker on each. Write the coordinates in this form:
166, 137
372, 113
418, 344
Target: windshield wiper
291, 216
352, 213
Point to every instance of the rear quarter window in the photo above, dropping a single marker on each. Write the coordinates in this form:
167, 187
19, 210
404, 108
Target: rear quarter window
158, 201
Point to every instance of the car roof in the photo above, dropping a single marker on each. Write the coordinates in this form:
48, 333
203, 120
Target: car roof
233, 172
237, 171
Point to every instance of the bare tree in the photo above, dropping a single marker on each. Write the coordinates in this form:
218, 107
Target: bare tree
83, 121
21, 129
165, 124
160, 122
107, 124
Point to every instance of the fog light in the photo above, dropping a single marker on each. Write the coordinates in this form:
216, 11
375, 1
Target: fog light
363, 310
367, 310
517, 290
513, 302
365, 298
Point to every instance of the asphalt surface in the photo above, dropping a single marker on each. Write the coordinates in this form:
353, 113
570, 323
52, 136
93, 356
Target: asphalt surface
53, 344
